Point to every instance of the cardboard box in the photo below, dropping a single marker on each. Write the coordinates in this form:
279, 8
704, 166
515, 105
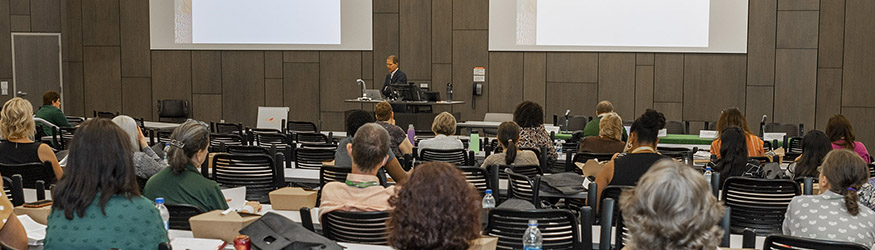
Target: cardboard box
292, 198
214, 225
484, 243
40, 215
591, 167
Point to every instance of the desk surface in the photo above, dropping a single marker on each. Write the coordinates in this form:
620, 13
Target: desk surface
406, 102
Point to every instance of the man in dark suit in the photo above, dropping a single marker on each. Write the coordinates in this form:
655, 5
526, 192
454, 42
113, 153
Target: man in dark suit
395, 76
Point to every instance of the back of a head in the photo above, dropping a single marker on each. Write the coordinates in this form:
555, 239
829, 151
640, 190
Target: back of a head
815, 146
369, 147
383, 111
733, 147
16, 119
732, 117
356, 119
444, 124
647, 126
99, 162
508, 136
50, 97
846, 172
611, 126
186, 140
436, 209
672, 208
129, 125
528, 114
839, 128
604, 107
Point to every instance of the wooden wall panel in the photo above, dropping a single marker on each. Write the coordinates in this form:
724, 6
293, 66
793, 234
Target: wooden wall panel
385, 44
273, 64
45, 15
441, 31
415, 31
137, 97
862, 120
829, 96
798, 4
368, 66
386, 6
74, 89
578, 97
859, 56
535, 77
19, 23
242, 85
441, 74
100, 22
470, 14
71, 30
668, 78
301, 56
761, 42
337, 74
470, 49
102, 74
273, 92
207, 107
5, 41
135, 46
795, 86
332, 121
298, 90
616, 79
797, 29
206, 72
644, 59
760, 101
572, 67
643, 89
19, 7
832, 34
673, 111
171, 76
707, 76
506, 81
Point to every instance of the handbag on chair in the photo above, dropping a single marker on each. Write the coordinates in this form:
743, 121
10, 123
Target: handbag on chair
276, 232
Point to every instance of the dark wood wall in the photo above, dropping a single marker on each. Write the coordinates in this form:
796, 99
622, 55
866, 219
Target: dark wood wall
807, 60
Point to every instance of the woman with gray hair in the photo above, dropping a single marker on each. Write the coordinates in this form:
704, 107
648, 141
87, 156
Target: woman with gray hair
146, 162
671, 208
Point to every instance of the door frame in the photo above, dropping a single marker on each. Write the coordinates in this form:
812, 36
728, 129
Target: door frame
60, 63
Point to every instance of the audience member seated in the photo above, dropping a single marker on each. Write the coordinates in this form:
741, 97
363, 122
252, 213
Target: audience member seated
17, 127
735, 161
629, 166
444, 125
181, 182
146, 161
841, 133
362, 191
867, 194
51, 112
593, 128
609, 139
815, 146
12, 233
98, 205
354, 121
530, 117
386, 118
836, 214
508, 138
671, 208
447, 218
732, 117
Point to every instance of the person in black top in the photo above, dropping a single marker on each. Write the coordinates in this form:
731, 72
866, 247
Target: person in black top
733, 149
17, 126
395, 76
626, 168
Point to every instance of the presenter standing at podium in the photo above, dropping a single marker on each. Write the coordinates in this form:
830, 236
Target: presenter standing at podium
395, 76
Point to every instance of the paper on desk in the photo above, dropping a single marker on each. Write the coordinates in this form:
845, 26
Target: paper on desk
708, 134
773, 136
35, 231
662, 133
197, 244
237, 196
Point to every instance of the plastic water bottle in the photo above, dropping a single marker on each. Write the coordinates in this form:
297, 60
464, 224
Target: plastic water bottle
708, 175
532, 237
165, 215
410, 134
488, 200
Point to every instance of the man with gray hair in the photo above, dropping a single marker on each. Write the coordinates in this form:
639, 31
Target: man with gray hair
362, 190
592, 128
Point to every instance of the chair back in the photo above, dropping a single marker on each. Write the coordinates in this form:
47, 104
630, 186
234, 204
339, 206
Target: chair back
30, 172
14, 190
575, 122
246, 150
786, 242
559, 228
459, 157
524, 188
257, 172
301, 126
219, 142
226, 128
478, 177
792, 130
871, 170
328, 174
794, 144
684, 155
180, 213
759, 204
677, 127
104, 114
311, 156
311, 137
75, 120
173, 110
356, 227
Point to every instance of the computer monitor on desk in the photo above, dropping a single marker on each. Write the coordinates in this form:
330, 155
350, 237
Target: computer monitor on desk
405, 92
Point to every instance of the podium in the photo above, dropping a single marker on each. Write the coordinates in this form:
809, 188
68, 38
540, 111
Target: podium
418, 113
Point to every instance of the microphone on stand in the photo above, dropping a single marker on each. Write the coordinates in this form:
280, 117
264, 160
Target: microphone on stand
567, 114
364, 86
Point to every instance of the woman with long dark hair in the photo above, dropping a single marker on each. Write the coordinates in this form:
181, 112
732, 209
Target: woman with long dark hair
732, 117
508, 138
815, 146
733, 148
97, 205
841, 133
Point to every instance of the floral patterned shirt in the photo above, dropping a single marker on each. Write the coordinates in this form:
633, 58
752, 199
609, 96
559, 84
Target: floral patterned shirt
867, 194
537, 137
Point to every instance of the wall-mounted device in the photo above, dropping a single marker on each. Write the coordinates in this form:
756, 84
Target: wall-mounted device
4, 87
478, 89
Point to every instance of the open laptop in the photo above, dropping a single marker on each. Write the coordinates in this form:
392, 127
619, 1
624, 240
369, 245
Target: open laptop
374, 94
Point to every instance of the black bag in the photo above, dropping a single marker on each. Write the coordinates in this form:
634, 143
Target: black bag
276, 232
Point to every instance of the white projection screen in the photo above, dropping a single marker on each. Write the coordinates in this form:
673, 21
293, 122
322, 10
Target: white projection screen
696, 26
261, 24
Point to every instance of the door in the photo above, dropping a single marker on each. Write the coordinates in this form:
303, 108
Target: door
36, 63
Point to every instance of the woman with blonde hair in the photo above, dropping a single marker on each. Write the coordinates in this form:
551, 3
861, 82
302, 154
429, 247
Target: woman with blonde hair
610, 139
732, 117
444, 125
17, 127
671, 208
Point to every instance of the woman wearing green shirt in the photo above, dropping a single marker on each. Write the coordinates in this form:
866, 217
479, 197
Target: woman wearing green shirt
97, 205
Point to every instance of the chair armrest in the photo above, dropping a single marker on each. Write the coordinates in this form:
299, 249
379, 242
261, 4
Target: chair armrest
307, 219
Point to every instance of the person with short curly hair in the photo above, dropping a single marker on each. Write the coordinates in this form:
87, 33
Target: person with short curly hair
687, 221
626, 168
530, 117
386, 117
447, 218
17, 127
444, 125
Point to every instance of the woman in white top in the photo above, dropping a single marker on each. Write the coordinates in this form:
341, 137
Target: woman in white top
443, 126
836, 214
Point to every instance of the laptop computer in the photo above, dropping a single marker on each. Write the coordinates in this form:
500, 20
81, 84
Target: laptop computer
374, 94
